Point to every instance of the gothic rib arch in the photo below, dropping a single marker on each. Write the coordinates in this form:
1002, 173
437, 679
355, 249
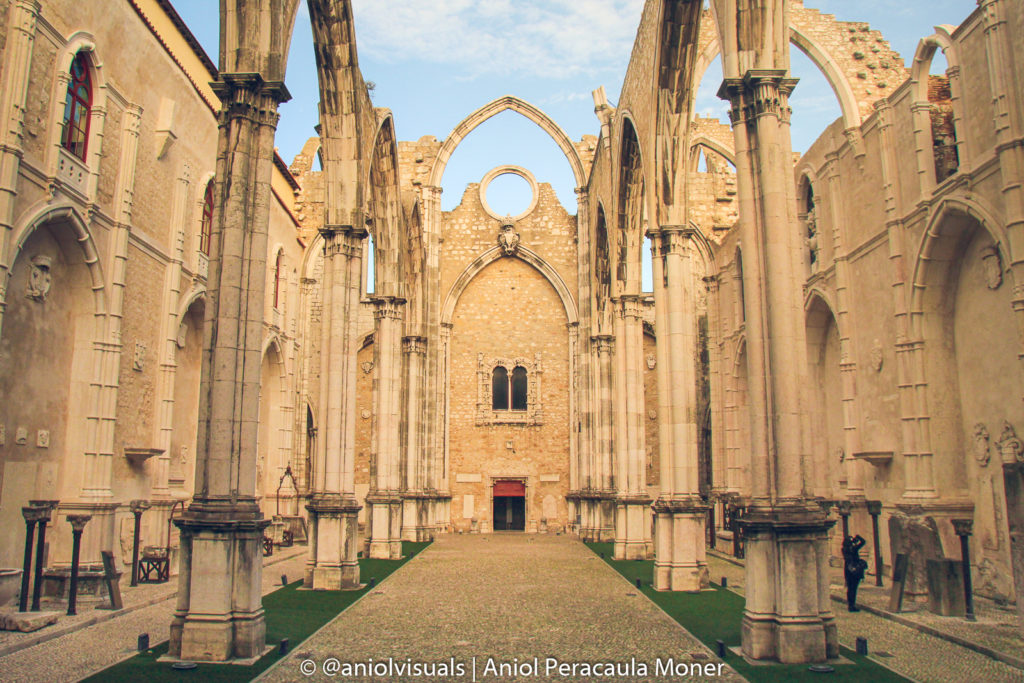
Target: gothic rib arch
631, 196
493, 108
942, 39
825, 62
494, 254
708, 143
384, 211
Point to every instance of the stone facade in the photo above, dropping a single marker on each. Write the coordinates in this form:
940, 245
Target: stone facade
823, 332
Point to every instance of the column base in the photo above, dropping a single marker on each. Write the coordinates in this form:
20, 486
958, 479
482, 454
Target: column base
334, 563
680, 559
416, 516
220, 613
384, 524
632, 528
788, 615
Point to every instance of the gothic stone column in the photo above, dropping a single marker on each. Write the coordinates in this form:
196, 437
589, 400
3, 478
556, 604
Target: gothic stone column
384, 518
788, 615
680, 561
417, 523
219, 614
333, 509
603, 507
632, 530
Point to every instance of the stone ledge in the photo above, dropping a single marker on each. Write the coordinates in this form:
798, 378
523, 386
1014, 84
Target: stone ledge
26, 622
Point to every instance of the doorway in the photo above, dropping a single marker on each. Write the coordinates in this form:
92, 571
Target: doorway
509, 507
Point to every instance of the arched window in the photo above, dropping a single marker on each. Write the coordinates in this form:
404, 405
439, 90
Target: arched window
278, 276
519, 388
499, 389
77, 104
206, 227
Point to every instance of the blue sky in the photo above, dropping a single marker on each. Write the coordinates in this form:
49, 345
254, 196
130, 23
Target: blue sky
435, 62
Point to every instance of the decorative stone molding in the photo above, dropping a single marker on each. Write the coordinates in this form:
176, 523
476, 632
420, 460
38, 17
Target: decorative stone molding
534, 413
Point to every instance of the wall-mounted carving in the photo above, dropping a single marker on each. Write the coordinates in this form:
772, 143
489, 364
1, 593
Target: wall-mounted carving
139, 357
21, 436
39, 277
534, 413
367, 366
365, 414
982, 451
992, 264
877, 356
43, 438
652, 361
508, 238
1010, 447
840, 454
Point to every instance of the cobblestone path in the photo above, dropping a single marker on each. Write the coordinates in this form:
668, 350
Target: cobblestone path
503, 598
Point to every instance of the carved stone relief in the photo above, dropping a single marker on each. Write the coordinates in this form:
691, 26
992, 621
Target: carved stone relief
508, 238
993, 266
877, 356
367, 366
651, 361
1010, 447
39, 278
981, 444
21, 436
139, 357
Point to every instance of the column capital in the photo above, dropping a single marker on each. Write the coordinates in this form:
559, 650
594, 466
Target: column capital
78, 522
414, 345
389, 307
758, 93
604, 343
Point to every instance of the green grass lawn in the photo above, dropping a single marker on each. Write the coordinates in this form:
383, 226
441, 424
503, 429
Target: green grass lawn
290, 613
715, 615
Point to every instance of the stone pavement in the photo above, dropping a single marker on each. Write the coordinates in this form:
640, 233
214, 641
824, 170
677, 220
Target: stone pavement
506, 596
83, 648
916, 655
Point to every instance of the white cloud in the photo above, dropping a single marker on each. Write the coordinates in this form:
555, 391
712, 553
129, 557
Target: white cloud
533, 38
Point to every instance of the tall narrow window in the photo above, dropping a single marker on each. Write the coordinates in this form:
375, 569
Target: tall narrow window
519, 387
499, 389
206, 228
76, 108
278, 274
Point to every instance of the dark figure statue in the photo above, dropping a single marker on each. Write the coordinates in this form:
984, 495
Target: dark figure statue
853, 569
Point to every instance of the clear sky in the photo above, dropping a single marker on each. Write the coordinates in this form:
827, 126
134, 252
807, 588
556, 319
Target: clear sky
436, 61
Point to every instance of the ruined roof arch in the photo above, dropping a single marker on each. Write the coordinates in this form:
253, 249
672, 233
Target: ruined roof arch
925, 54
493, 108
826, 63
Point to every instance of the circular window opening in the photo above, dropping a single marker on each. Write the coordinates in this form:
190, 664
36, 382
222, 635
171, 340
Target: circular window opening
509, 194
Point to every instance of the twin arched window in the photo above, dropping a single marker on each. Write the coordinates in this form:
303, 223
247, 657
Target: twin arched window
506, 392
77, 105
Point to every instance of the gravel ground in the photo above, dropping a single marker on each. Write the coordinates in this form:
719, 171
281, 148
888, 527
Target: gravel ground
915, 655
75, 655
507, 598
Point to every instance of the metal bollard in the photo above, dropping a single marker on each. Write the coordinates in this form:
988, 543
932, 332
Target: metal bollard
143, 642
862, 646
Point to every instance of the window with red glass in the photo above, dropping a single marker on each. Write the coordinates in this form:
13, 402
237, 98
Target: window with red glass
77, 104
206, 227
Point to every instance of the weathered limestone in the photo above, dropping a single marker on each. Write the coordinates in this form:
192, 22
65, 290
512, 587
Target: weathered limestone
332, 505
384, 516
788, 613
680, 562
219, 615
632, 530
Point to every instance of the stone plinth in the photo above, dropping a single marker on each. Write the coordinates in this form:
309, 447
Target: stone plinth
788, 615
680, 561
333, 550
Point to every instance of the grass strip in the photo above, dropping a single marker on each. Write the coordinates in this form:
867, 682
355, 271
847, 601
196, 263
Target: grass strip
716, 615
290, 613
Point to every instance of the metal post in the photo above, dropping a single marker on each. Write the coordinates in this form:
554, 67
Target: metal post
963, 530
875, 509
31, 515
78, 523
137, 507
46, 508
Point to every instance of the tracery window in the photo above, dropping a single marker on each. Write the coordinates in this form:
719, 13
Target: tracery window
206, 226
77, 106
509, 390
278, 276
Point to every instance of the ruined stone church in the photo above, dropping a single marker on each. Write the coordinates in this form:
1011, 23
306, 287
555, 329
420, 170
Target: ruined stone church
187, 327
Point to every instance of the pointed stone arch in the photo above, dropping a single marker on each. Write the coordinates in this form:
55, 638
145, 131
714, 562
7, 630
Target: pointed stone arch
493, 108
